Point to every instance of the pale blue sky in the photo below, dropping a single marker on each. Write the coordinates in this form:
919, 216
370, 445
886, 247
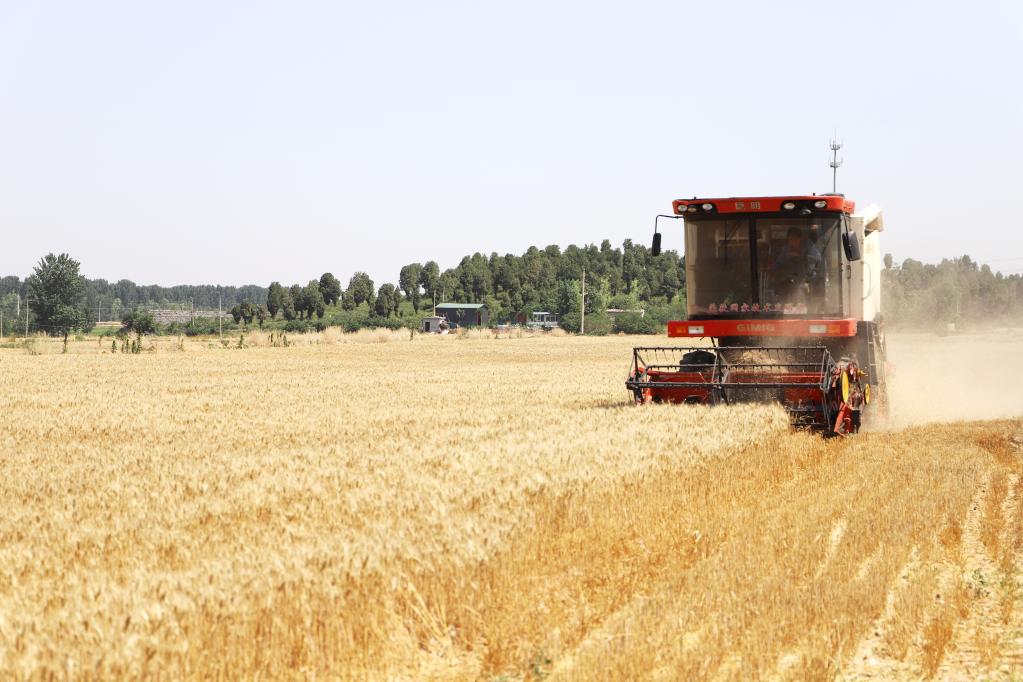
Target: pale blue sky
188, 142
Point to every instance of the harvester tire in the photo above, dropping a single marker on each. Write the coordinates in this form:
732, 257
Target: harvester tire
699, 358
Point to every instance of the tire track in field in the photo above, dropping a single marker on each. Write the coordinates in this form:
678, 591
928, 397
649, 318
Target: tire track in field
814, 524
973, 624
907, 636
870, 660
989, 640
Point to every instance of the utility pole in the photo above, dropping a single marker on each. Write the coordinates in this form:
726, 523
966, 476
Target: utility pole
220, 315
26, 316
582, 311
835, 163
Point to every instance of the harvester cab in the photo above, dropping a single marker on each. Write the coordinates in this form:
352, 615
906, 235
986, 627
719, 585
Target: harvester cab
785, 293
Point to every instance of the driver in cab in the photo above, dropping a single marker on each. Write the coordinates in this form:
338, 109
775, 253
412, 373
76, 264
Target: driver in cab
798, 268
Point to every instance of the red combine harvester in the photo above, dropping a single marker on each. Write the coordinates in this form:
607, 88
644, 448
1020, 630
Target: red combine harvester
791, 306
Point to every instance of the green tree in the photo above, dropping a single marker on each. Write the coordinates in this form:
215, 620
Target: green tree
9, 285
429, 280
448, 287
9, 304
408, 280
476, 277
498, 307
632, 266
386, 301
330, 288
138, 322
313, 301
275, 298
288, 306
567, 298
360, 288
243, 311
262, 315
298, 300
56, 295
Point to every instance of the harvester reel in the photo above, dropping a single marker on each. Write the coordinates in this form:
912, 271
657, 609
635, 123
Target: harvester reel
804, 379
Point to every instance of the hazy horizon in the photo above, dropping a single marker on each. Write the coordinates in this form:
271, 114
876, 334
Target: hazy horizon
240, 144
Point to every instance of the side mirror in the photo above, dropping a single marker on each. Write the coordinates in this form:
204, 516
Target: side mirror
851, 244
655, 249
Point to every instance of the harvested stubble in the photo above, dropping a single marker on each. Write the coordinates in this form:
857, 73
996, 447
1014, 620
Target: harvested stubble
465, 508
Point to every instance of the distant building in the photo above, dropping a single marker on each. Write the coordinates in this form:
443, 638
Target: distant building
434, 325
185, 315
543, 320
464, 314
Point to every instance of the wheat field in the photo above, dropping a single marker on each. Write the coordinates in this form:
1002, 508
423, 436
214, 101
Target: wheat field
379, 507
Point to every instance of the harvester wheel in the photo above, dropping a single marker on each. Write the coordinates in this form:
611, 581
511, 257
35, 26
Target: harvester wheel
642, 396
844, 421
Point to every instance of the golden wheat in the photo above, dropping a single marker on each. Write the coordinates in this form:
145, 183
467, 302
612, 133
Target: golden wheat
474, 506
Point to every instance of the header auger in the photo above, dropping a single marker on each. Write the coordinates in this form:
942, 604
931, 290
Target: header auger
790, 305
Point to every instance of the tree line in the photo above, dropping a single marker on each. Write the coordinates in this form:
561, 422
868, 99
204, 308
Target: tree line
914, 294
955, 291
109, 301
513, 286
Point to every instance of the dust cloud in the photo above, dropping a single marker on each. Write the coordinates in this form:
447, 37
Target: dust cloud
956, 377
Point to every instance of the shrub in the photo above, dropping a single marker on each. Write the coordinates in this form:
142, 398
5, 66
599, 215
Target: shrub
634, 323
383, 322
139, 322
660, 312
598, 324
201, 327
569, 322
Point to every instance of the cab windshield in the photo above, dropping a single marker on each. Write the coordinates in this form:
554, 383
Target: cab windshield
763, 265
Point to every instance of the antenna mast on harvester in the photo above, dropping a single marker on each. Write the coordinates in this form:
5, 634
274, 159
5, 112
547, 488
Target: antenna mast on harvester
835, 163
